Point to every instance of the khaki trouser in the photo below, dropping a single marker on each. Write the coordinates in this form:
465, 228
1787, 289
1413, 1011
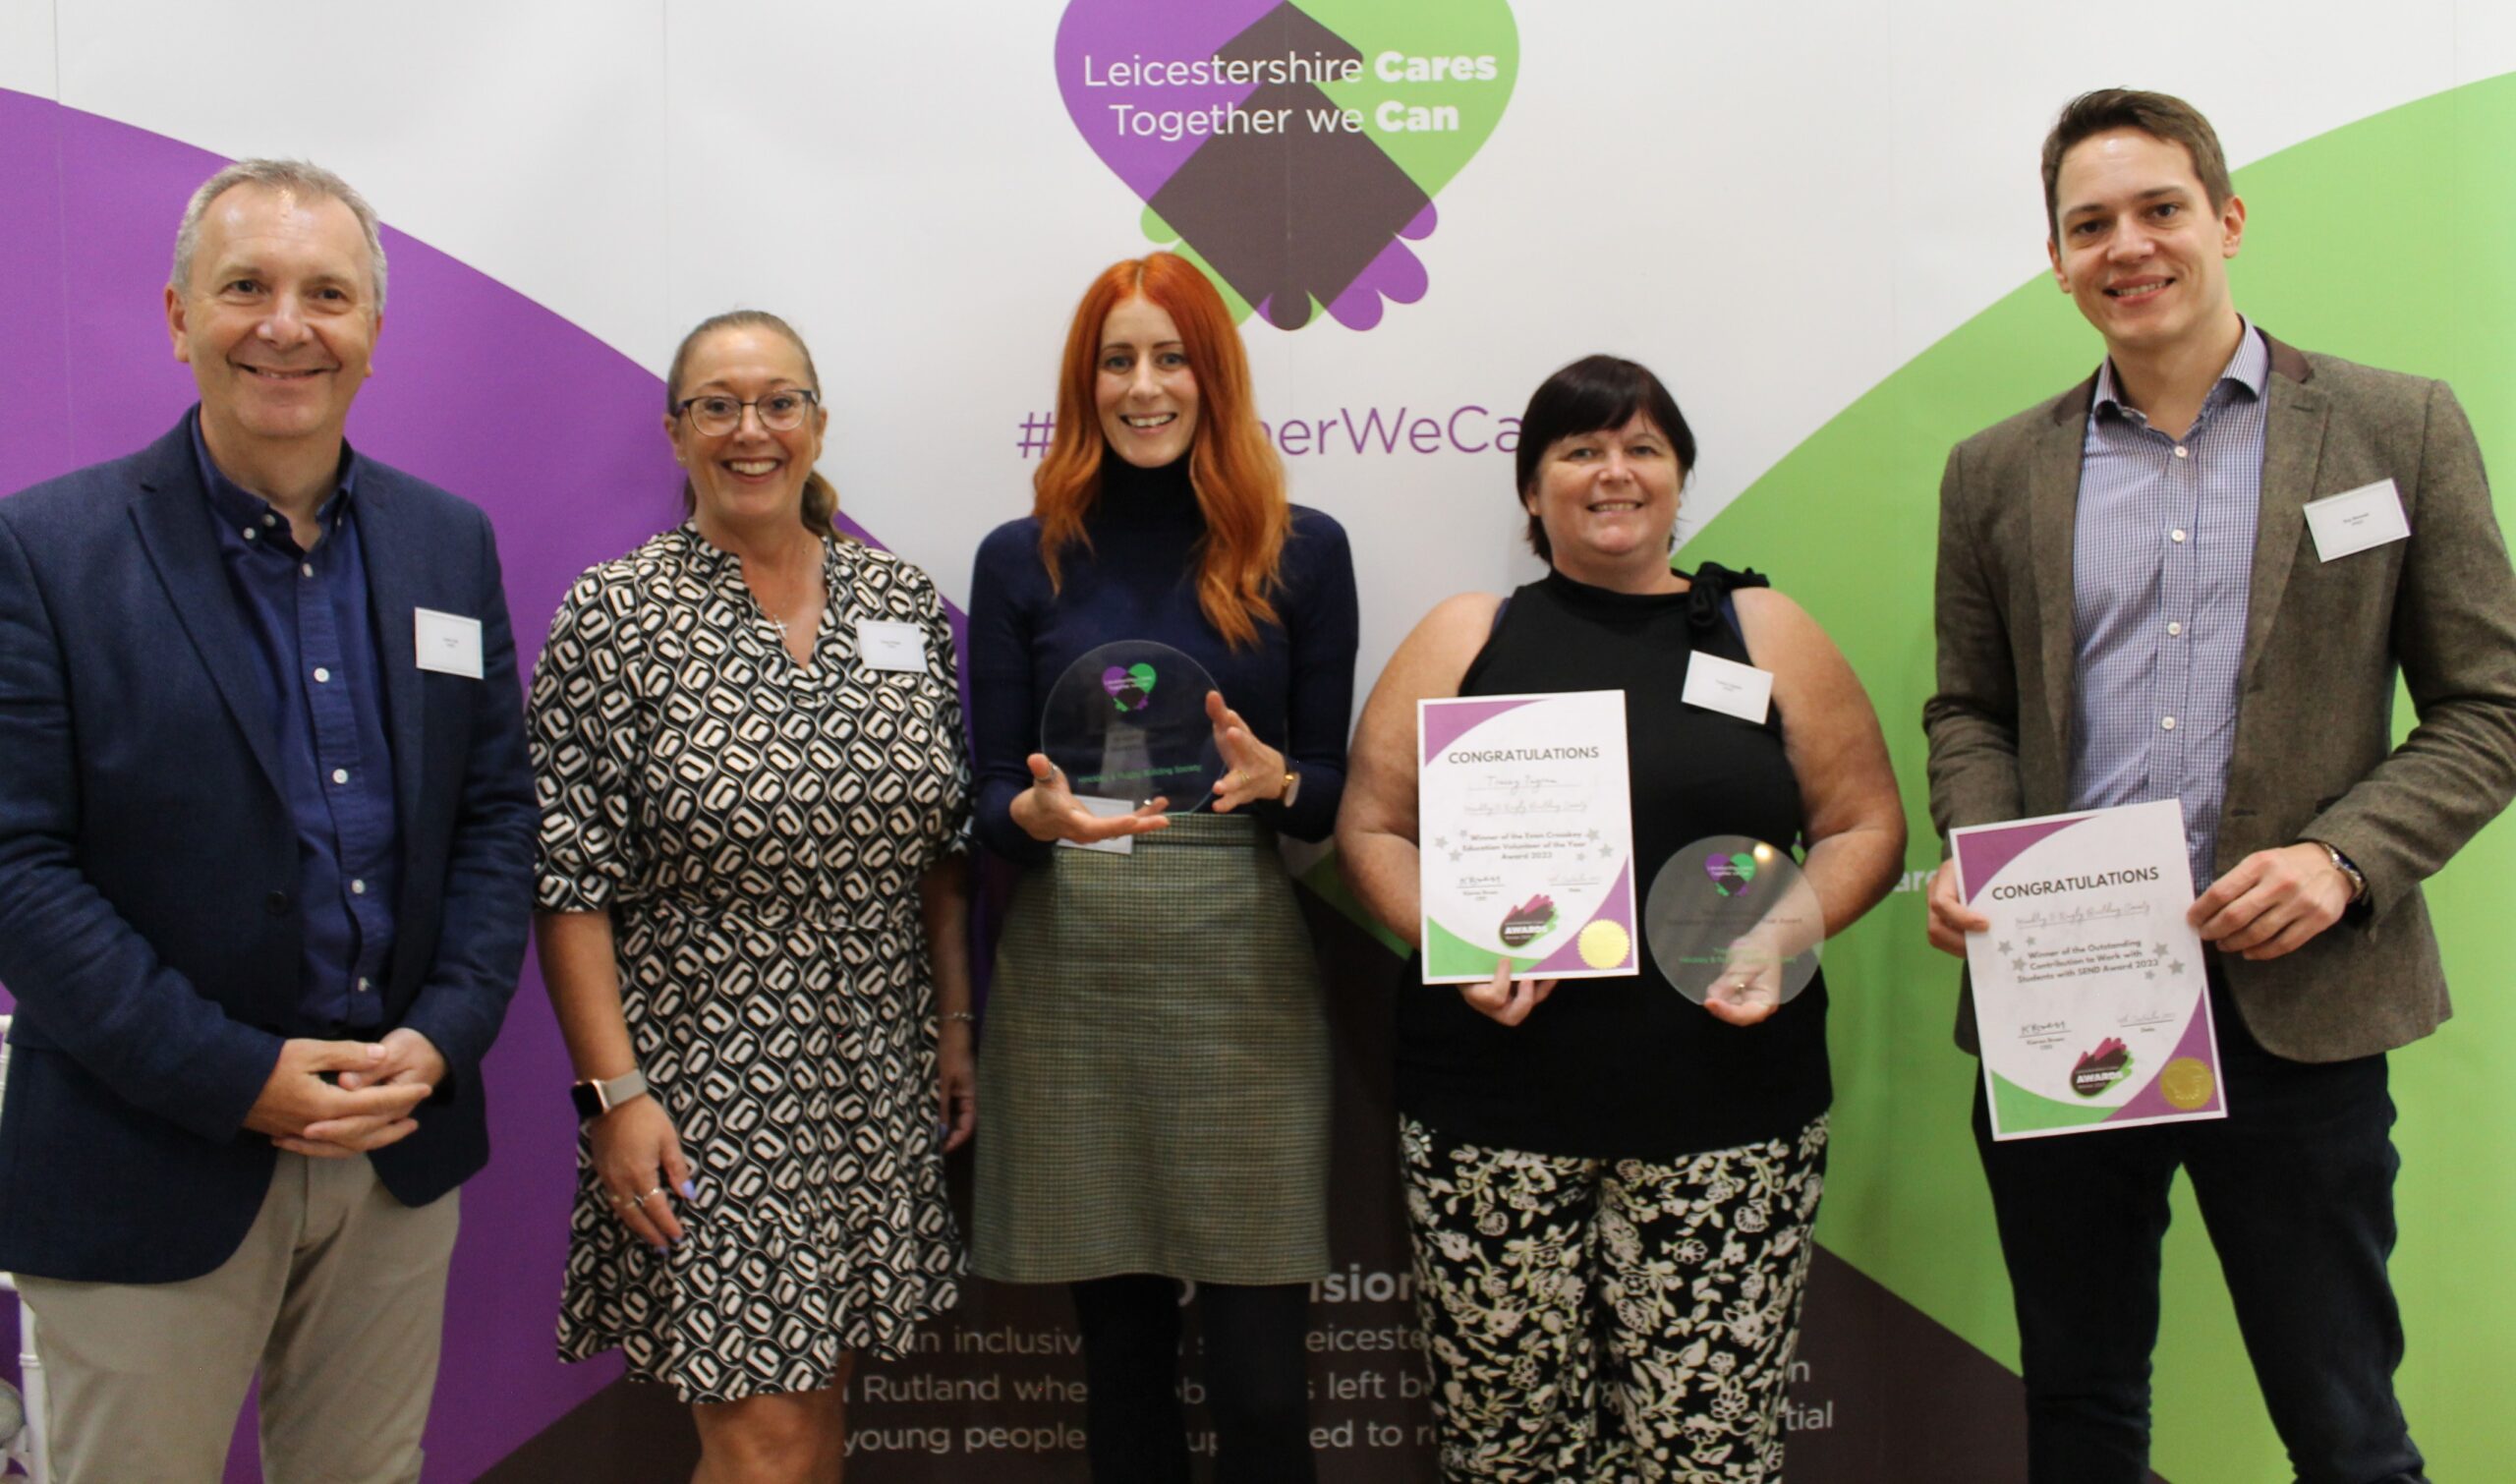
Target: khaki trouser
338, 1295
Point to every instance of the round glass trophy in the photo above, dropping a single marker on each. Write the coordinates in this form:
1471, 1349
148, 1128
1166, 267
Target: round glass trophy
1127, 721
1732, 918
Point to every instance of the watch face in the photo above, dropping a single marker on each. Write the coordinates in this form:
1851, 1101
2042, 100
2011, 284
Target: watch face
588, 1099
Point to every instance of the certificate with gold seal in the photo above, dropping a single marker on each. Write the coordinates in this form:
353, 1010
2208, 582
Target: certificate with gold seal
2089, 997
1525, 827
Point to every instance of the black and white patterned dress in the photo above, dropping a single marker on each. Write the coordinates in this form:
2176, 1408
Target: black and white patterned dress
755, 829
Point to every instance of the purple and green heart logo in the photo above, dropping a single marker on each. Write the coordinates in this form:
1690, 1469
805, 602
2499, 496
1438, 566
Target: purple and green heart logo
1730, 873
1130, 687
1293, 150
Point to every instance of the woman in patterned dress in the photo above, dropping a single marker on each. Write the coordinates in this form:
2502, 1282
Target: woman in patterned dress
1156, 1060
753, 890
1610, 1188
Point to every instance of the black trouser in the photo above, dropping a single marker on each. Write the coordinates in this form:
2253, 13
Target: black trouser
2296, 1186
1256, 1377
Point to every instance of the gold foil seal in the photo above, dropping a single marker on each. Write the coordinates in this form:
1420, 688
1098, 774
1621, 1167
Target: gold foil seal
2187, 1083
1604, 943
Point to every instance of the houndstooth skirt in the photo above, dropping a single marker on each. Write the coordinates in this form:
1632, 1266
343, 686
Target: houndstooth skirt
1154, 1073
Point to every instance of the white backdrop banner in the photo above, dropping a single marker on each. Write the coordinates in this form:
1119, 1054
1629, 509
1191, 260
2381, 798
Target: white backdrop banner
1821, 224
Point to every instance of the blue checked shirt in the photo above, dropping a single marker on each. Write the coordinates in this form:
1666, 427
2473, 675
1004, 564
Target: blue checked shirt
2161, 563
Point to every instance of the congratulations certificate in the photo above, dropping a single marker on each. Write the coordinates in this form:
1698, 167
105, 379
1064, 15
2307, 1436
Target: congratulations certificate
2089, 994
1525, 828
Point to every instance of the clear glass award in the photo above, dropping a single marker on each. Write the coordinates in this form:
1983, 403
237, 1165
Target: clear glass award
1127, 721
1732, 918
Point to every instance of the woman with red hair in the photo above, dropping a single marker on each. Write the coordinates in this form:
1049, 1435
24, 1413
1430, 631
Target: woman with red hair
1156, 1060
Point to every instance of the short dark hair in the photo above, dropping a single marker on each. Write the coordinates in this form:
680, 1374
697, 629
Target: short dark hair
2155, 114
1593, 393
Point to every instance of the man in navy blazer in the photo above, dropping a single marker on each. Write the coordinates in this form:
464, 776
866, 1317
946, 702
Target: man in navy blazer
265, 858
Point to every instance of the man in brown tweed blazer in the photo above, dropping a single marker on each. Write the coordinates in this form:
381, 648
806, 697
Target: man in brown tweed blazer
2131, 606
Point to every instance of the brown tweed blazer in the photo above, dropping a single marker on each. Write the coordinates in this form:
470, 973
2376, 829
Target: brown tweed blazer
2315, 757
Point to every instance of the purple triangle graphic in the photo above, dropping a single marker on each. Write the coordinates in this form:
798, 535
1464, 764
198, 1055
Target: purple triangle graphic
1980, 857
1446, 724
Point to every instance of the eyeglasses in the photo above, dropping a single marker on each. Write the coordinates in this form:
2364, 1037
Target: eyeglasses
782, 411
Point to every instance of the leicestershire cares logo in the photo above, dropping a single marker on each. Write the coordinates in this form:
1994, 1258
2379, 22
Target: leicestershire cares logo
1291, 150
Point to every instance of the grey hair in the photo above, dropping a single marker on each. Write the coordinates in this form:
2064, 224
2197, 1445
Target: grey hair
296, 178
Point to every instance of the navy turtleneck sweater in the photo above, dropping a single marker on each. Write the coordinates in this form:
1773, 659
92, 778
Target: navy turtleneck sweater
1137, 580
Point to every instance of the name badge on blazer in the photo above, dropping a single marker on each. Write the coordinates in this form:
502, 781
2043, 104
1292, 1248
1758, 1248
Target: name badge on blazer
447, 642
2349, 523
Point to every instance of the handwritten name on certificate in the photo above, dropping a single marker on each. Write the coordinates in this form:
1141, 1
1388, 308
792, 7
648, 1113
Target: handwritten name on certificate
2089, 994
1525, 827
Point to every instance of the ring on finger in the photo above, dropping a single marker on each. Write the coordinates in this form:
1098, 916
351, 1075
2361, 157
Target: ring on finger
651, 1195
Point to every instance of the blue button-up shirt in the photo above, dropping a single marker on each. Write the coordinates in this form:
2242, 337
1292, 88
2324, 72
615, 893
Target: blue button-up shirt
2161, 565
323, 677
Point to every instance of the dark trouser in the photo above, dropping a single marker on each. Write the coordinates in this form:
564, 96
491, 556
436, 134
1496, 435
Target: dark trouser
1256, 1376
2296, 1186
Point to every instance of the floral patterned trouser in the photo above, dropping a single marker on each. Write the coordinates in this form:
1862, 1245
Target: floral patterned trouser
1611, 1321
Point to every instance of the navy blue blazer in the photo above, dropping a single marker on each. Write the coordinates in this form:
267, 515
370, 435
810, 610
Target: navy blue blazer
148, 921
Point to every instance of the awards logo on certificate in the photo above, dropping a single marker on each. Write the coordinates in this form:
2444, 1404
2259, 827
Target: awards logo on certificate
2090, 995
1525, 827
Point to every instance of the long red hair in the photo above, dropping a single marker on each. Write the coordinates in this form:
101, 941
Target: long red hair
1239, 480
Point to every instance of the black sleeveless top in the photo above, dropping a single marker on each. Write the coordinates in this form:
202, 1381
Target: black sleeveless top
1628, 1068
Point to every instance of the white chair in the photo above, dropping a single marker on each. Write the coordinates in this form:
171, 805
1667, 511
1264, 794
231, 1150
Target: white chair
27, 1450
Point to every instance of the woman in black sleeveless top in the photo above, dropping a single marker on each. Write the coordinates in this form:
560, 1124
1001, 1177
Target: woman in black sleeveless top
1610, 1188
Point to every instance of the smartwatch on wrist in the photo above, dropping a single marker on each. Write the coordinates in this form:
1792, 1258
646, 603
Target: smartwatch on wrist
596, 1097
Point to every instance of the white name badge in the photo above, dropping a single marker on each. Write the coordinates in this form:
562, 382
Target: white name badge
1728, 687
1108, 809
446, 642
886, 643
2352, 522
